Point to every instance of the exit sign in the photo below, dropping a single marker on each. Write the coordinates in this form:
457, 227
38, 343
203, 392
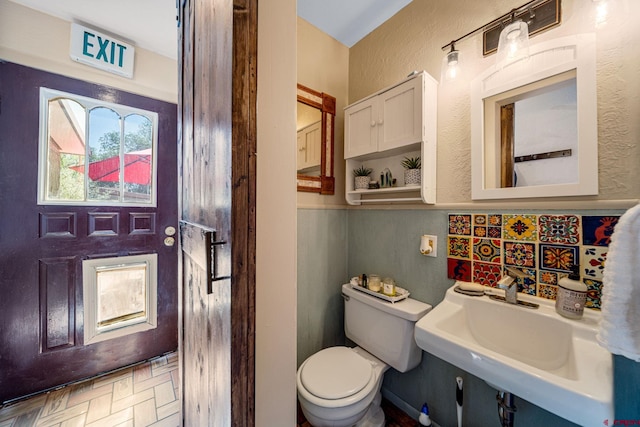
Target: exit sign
102, 51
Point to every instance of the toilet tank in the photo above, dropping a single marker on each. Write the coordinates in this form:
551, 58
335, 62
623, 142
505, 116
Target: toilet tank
382, 328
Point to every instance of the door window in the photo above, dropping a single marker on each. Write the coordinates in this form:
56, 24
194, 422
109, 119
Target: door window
95, 153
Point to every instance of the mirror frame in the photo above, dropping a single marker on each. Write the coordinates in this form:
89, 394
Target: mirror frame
546, 60
325, 183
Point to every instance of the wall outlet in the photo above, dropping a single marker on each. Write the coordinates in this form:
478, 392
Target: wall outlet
433, 242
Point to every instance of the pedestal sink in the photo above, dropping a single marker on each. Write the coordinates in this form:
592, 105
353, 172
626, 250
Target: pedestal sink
536, 354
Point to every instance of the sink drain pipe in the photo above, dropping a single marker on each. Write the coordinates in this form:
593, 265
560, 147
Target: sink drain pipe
506, 408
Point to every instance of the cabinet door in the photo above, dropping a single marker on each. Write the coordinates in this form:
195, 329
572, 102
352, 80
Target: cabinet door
314, 145
302, 151
401, 115
360, 128
309, 146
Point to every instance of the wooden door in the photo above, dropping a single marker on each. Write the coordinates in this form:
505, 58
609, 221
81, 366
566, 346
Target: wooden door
217, 130
43, 246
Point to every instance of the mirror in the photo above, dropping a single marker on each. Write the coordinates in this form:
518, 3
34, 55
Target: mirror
315, 135
530, 136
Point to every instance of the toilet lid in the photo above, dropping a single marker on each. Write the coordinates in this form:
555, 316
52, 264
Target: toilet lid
335, 373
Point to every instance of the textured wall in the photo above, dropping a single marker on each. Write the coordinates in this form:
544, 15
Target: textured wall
323, 65
412, 40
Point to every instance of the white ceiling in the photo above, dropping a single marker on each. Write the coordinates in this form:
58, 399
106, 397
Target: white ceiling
151, 24
348, 21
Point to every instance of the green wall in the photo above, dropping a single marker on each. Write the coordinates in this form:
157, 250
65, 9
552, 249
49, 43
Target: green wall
322, 269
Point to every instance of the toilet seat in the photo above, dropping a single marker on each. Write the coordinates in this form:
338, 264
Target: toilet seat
336, 373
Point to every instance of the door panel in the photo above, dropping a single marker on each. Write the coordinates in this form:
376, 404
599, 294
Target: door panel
361, 128
217, 129
42, 247
401, 115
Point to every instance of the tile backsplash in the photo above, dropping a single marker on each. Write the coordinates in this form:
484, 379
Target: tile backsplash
544, 246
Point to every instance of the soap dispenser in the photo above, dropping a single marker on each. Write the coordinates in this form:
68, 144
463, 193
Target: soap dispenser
572, 295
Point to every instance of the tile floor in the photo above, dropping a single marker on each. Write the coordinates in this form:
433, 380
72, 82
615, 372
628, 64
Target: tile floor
143, 395
138, 396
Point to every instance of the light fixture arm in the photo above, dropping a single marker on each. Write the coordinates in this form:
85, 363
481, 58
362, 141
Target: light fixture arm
511, 14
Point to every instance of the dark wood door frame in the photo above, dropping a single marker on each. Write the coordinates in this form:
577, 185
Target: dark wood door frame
217, 96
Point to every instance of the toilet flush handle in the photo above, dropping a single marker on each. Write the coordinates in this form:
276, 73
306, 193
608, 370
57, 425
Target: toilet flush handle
346, 297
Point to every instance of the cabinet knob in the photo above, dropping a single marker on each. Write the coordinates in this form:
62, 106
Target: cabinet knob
380, 121
373, 123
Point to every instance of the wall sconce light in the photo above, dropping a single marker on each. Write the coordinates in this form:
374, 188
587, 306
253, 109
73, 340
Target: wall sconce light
602, 12
514, 42
450, 65
516, 26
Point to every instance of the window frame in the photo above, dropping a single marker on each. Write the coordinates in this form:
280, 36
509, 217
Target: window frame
46, 95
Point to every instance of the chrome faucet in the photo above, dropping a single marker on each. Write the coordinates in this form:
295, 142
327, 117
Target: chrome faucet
510, 285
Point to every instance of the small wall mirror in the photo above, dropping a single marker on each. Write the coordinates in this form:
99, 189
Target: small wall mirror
315, 135
530, 136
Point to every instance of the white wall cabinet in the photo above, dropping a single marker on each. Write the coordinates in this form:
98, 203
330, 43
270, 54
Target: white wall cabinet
309, 147
382, 129
387, 120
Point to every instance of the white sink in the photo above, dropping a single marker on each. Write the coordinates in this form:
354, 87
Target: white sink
536, 354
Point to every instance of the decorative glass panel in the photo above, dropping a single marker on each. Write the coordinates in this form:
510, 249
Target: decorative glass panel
104, 154
95, 153
65, 150
138, 150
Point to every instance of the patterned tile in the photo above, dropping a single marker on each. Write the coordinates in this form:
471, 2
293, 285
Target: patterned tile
542, 245
597, 230
460, 224
495, 220
480, 219
459, 269
487, 250
519, 227
548, 291
459, 247
593, 261
558, 258
479, 231
494, 232
486, 274
527, 284
594, 293
520, 254
562, 229
548, 277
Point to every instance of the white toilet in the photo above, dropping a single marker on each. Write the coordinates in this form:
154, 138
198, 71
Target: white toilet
340, 386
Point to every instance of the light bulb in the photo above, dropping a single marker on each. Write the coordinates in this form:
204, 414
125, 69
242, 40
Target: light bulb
602, 12
513, 44
450, 66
